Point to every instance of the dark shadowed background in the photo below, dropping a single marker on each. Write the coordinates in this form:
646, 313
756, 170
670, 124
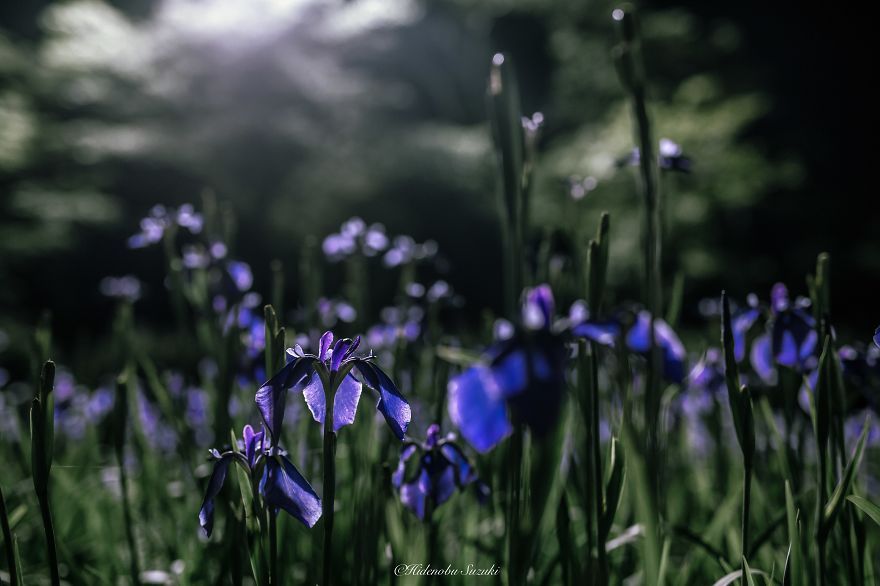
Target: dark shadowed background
300, 114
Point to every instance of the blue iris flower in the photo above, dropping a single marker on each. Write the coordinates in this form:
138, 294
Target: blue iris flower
524, 374
791, 341
638, 339
308, 373
281, 484
442, 468
793, 333
877, 337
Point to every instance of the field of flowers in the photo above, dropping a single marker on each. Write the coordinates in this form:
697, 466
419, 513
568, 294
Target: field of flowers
573, 439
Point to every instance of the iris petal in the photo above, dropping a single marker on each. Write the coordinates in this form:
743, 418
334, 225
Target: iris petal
324, 345
600, 332
283, 487
762, 358
272, 395
877, 337
313, 392
477, 408
345, 402
412, 495
252, 442
392, 405
741, 325
340, 351
215, 484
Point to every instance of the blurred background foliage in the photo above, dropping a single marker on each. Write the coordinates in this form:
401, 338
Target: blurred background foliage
300, 113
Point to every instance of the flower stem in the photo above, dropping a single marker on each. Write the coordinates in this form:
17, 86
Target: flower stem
43, 499
327, 503
273, 549
513, 507
747, 501
7, 541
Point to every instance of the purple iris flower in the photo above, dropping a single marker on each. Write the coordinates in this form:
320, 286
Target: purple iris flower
281, 484
309, 373
525, 373
638, 338
793, 332
441, 469
708, 374
670, 157
877, 337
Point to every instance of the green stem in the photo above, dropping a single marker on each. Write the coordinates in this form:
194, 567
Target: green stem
273, 549
747, 501
129, 525
327, 502
8, 544
513, 506
43, 499
598, 490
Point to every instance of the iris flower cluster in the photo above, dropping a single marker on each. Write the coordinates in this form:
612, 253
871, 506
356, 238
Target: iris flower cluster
429, 473
522, 376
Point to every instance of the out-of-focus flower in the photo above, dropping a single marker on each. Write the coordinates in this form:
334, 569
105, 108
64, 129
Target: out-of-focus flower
669, 156
440, 469
525, 373
333, 311
281, 484
638, 338
791, 340
127, 287
578, 187
354, 235
160, 218
306, 373
406, 250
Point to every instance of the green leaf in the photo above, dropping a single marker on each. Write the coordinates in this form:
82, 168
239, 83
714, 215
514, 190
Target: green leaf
738, 395
598, 264
614, 488
866, 507
793, 573
736, 575
646, 512
457, 356
834, 504
750, 581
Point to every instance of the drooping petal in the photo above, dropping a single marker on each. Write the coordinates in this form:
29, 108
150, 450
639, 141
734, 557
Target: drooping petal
639, 340
477, 408
399, 473
215, 484
272, 395
346, 402
313, 393
511, 371
283, 487
877, 337
392, 405
324, 345
762, 358
413, 496
600, 332
741, 324
466, 472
